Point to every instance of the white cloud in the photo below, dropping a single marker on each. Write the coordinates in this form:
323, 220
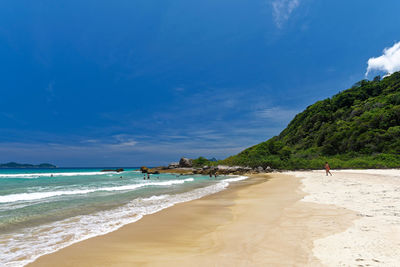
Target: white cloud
282, 9
277, 114
122, 141
389, 62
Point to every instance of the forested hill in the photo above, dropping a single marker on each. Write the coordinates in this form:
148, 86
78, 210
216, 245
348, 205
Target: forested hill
356, 128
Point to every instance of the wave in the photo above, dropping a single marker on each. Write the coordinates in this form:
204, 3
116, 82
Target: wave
41, 195
236, 179
57, 235
50, 174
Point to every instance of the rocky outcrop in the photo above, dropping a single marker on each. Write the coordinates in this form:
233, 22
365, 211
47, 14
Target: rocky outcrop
259, 169
185, 166
144, 169
185, 163
173, 165
222, 169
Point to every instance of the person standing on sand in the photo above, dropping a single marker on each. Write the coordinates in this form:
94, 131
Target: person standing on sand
327, 169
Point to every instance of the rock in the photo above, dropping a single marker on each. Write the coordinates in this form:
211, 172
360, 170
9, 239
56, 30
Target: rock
185, 163
268, 169
247, 169
144, 169
260, 169
206, 167
198, 171
173, 165
223, 169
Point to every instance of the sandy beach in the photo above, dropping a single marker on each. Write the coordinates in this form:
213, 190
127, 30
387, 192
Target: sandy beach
374, 237
260, 221
290, 219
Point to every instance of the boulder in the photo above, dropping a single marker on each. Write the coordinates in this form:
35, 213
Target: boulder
185, 163
173, 165
198, 171
247, 169
223, 169
268, 169
144, 169
260, 169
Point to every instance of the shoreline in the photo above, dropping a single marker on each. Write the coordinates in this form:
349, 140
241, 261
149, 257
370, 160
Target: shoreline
258, 221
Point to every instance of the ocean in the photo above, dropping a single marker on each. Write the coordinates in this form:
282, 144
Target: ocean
44, 210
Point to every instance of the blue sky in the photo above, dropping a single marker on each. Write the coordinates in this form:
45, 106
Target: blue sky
126, 83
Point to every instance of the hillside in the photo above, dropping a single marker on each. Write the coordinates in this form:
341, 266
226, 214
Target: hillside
356, 128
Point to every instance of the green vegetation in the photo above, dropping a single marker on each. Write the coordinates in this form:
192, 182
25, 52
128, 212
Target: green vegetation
356, 128
202, 161
18, 165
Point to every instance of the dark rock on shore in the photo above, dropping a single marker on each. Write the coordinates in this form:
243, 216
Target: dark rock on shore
185, 163
144, 169
185, 166
173, 165
259, 169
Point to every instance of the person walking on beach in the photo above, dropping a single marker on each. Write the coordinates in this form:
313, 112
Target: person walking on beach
327, 169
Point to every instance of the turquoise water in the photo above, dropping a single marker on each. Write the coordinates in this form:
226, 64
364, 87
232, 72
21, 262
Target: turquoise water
43, 210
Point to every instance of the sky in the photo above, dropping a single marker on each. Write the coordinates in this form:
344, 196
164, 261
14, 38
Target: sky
144, 82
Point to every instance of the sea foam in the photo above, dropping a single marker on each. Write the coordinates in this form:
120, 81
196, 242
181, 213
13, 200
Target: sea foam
50, 174
41, 195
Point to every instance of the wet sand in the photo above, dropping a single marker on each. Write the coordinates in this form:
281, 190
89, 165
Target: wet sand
260, 221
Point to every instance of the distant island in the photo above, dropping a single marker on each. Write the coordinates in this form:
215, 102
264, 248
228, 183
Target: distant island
18, 165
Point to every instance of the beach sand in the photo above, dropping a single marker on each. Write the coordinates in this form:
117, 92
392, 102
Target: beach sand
260, 221
374, 238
